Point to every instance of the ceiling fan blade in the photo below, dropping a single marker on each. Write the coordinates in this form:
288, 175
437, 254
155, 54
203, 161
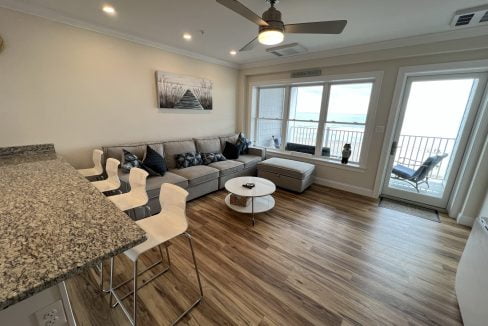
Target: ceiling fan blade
242, 10
328, 27
250, 45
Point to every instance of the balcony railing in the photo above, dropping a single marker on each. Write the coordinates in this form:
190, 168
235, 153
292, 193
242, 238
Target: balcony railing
334, 139
412, 151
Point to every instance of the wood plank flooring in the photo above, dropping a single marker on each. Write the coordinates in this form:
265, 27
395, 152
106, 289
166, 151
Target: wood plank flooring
324, 257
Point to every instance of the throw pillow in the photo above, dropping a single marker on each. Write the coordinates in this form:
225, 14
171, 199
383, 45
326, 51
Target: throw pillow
208, 158
130, 161
154, 161
244, 142
185, 160
232, 151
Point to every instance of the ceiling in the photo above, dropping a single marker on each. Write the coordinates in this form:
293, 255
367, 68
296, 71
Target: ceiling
164, 21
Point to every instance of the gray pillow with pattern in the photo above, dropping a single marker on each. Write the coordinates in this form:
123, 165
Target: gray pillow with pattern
208, 158
130, 161
185, 160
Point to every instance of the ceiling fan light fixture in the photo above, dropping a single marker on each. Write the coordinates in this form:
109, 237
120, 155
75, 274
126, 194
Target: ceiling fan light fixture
271, 37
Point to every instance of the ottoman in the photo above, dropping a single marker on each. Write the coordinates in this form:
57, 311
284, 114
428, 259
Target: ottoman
288, 174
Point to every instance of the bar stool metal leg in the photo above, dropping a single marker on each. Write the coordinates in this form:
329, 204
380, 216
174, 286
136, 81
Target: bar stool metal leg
140, 273
198, 279
112, 264
134, 321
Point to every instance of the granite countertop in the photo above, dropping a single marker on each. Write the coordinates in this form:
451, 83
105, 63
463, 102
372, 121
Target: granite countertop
53, 224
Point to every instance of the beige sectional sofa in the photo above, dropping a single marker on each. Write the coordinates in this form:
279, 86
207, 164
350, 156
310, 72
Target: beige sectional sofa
197, 180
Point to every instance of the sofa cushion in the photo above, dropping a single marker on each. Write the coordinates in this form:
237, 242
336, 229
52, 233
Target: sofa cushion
229, 138
208, 158
231, 151
116, 152
186, 160
137, 149
290, 168
197, 174
249, 160
208, 145
227, 167
153, 184
244, 143
171, 148
154, 161
130, 161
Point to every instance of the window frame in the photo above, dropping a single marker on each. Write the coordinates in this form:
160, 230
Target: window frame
284, 114
326, 81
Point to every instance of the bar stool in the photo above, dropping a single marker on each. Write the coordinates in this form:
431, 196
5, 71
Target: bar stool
170, 223
97, 170
137, 196
112, 182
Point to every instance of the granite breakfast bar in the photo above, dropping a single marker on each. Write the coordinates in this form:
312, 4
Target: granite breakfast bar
53, 223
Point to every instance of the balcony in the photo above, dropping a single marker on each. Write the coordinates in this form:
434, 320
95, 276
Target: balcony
412, 151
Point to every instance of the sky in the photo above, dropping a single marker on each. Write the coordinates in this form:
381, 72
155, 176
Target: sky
436, 108
345, 101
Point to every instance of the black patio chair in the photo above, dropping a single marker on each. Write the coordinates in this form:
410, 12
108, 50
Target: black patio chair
419, 176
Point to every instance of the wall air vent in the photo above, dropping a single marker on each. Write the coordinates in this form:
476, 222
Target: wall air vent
470, 17
306, 73
287, 50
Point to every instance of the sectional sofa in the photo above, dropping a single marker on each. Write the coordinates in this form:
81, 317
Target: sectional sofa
197, 180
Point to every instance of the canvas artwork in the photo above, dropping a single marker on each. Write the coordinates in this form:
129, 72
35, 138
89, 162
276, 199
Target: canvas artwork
183, 92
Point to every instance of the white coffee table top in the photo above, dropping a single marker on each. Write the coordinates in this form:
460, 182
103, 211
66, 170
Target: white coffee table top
262, 187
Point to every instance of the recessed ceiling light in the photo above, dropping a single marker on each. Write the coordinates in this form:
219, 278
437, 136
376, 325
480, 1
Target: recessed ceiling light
233, 52
108, 9
187, 36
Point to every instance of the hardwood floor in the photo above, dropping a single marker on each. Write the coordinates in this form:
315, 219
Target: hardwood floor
324, 257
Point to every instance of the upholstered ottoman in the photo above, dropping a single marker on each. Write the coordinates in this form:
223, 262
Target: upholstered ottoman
292, 175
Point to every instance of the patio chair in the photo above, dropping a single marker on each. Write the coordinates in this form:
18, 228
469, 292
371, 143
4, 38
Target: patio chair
419, 176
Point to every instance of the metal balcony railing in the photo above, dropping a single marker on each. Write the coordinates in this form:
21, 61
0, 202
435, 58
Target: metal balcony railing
412, 151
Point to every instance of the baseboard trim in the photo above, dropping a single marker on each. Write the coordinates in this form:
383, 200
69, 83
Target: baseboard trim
465, 220
346, 187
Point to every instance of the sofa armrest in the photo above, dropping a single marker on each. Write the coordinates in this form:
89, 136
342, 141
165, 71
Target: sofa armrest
258, 151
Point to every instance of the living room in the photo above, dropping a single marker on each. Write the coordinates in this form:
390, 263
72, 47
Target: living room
348, 164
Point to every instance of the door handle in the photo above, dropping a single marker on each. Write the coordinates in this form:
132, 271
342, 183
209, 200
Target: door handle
393, 149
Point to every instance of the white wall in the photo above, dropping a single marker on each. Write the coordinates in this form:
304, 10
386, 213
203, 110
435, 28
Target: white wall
80, 89
388, 61
484, 208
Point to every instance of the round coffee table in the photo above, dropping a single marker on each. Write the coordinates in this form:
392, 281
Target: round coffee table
261, 199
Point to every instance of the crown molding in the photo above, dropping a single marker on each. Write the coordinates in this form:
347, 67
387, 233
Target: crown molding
377, 46
59, 18
423, 39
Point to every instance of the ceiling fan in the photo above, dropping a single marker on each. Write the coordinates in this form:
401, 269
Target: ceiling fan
272, 28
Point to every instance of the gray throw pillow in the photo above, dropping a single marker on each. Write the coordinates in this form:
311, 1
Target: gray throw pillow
185, 160
208, 158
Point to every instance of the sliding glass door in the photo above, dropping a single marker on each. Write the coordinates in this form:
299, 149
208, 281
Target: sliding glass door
436, 117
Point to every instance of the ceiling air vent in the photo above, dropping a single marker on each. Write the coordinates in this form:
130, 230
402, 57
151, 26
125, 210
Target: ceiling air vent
470, 17
287, 50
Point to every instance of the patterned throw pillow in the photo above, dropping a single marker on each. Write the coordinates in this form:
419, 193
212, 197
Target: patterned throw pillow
244, 143
130, 161
186, 160
208, 158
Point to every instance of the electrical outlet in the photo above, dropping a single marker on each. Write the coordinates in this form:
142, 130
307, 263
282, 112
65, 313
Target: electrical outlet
52, 315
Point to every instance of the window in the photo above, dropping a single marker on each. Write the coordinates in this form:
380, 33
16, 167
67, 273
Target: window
346, 118
304, 116
315, 118
270, 116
